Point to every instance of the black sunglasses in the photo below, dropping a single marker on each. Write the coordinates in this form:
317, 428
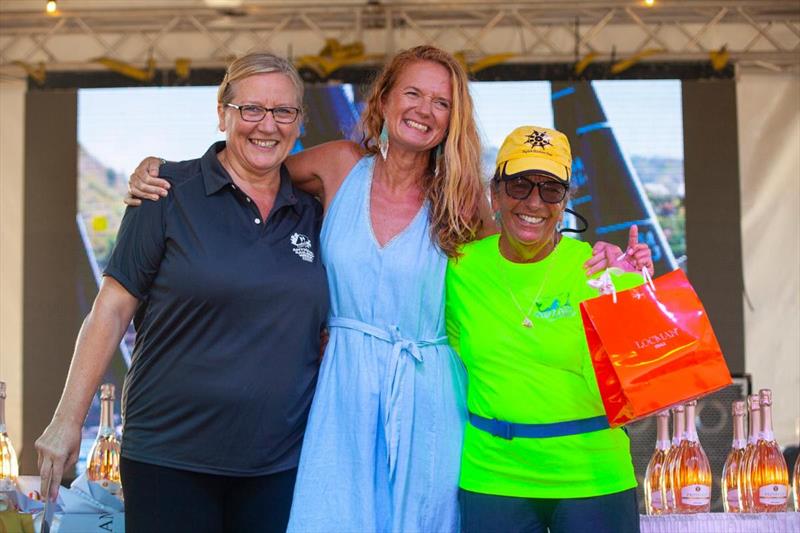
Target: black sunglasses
520, 188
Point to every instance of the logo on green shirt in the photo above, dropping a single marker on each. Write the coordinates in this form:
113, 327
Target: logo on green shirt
559, 307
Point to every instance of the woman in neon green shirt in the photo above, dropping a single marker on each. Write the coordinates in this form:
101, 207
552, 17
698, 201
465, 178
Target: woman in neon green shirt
538, 453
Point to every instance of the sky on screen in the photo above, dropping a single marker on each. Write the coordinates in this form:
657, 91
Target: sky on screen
121, 126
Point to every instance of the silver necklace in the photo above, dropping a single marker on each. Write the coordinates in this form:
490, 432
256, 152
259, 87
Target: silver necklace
526, 316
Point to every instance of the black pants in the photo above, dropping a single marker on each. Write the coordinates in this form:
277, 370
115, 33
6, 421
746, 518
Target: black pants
170, 500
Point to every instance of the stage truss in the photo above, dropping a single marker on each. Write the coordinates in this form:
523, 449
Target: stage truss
192, 34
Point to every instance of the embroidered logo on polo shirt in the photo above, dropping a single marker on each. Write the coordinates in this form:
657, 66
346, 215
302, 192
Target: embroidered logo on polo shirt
302, 247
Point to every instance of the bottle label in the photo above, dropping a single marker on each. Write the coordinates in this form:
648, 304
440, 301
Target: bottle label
655, 500
696, 495
733, 499
773, 494
110, 486
670, 499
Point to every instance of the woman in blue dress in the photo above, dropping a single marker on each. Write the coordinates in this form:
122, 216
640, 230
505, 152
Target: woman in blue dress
383, 441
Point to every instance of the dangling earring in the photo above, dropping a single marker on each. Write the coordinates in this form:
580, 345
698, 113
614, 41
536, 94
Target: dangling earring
383, 142
497, 217
557, 232
437, 158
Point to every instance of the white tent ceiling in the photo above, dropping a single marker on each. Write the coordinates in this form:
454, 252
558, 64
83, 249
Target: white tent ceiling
208, 32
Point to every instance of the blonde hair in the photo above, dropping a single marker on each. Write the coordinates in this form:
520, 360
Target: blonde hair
258, 63
455, 192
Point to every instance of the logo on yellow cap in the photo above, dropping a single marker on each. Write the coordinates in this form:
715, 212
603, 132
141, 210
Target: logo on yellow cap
538, 139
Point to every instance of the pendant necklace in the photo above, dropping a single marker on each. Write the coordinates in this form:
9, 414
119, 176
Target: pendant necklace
526, 320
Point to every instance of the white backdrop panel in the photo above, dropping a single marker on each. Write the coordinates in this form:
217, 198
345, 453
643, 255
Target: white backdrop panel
769, 152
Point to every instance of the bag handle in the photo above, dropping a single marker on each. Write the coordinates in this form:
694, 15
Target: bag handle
648, 279
605, 284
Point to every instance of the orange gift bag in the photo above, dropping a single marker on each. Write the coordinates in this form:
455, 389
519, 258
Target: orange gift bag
652, 347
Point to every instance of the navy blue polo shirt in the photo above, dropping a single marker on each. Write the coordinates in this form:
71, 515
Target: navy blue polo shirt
227, 331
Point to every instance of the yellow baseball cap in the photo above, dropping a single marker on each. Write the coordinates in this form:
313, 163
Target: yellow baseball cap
535, 149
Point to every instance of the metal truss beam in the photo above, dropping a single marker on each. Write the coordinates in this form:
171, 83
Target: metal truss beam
764, 33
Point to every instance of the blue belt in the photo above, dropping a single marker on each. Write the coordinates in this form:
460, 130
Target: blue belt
510, 430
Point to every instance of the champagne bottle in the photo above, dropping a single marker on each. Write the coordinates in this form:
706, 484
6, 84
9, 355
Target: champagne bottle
796, 484
754, 423
102, 465
9, 469
691, 479
768, 472
652, 476
665, 481
730, 472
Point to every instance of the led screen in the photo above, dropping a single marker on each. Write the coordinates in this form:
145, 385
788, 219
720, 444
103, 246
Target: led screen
626, 137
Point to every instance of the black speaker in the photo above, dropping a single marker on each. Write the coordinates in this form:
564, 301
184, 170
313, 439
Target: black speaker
714, 428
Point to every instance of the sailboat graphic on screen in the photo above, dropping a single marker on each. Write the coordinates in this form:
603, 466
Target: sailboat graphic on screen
609, 193
332, 113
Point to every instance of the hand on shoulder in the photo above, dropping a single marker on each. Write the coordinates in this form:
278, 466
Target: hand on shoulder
144, 182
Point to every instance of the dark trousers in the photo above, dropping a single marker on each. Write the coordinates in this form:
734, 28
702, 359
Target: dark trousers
487, 513
170, 500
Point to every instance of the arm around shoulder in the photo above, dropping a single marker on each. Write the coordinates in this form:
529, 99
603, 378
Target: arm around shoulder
321, 169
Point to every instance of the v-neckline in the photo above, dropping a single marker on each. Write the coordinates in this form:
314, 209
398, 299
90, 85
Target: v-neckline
368, 211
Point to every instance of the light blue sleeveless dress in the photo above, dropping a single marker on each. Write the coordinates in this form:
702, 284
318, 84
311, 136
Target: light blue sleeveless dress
383, 443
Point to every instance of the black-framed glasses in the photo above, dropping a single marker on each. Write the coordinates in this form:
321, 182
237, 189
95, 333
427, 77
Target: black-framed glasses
550, 191
256, 113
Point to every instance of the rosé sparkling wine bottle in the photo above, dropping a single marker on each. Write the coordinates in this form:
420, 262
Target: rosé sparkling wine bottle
754, 423
768, 472
691, 478
9, 470
665, 479
652, 476
730, 472
102, 465
796, 484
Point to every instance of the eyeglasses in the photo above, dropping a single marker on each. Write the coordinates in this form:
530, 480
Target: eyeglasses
256, 113
550, 191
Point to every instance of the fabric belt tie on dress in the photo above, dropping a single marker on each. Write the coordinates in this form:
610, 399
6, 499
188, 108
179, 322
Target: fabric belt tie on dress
395, 402
510, 430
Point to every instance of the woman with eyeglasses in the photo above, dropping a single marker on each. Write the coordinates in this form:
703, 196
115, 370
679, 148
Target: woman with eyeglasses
538, 454
228, 293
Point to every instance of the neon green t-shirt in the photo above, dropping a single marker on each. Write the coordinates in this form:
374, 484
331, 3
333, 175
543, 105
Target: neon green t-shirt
534, 375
